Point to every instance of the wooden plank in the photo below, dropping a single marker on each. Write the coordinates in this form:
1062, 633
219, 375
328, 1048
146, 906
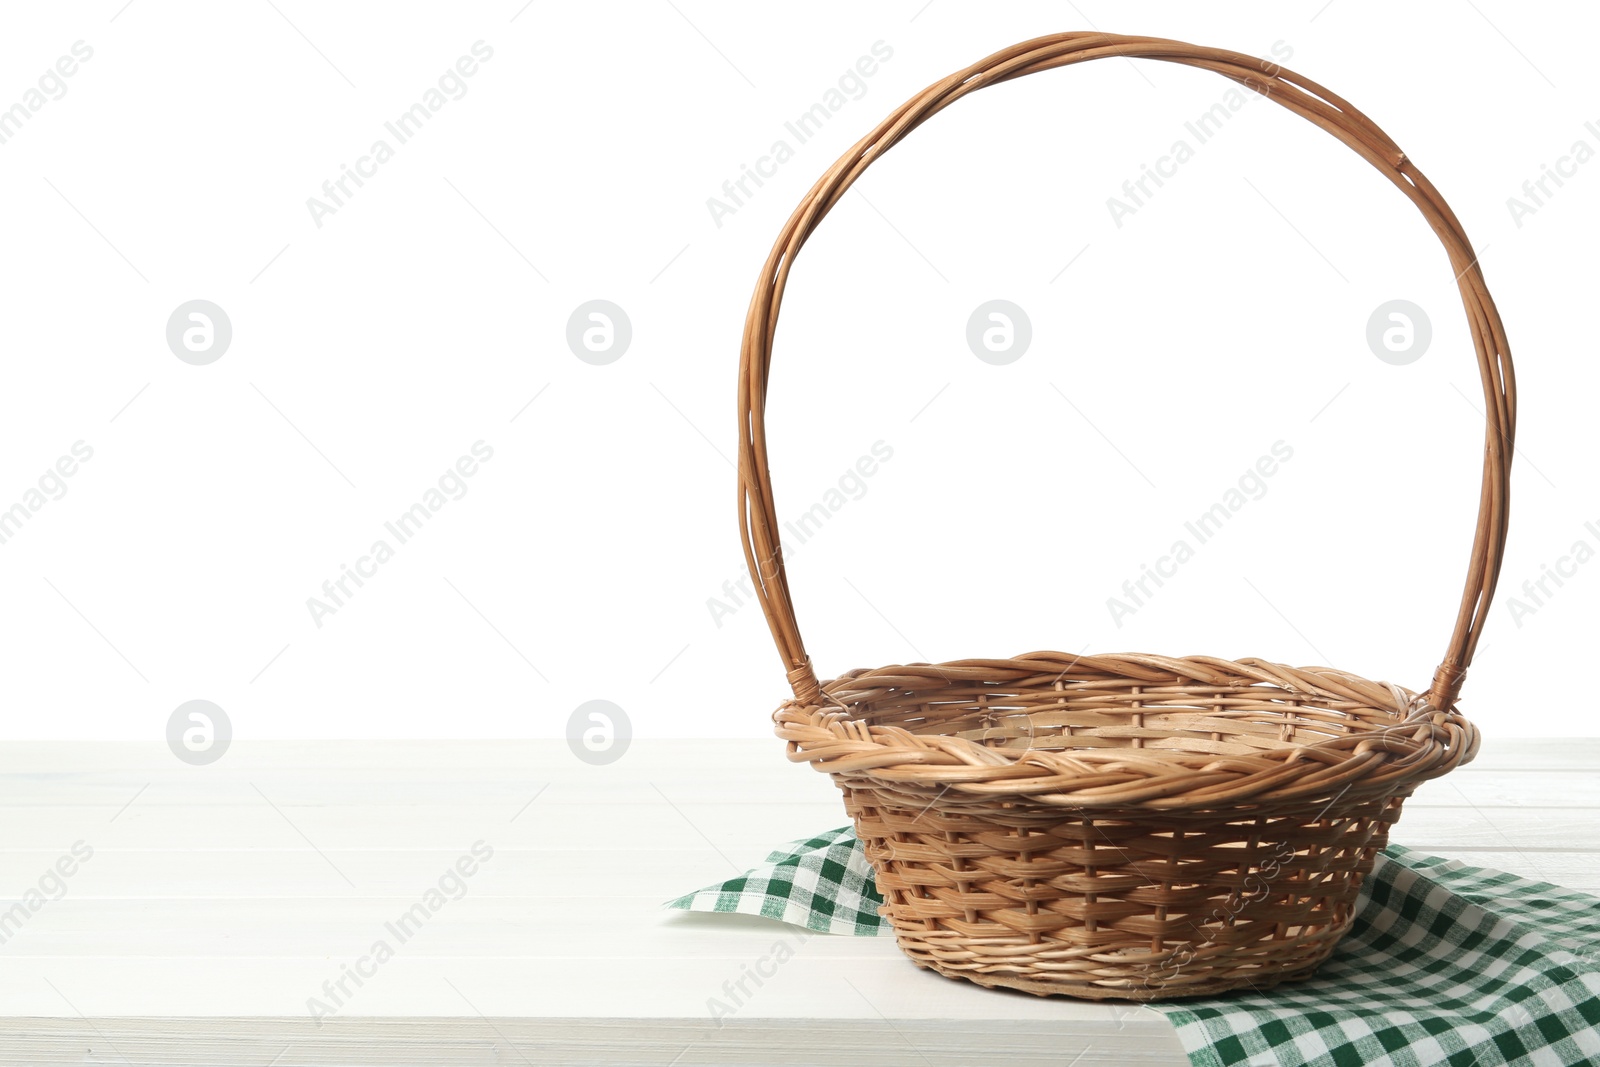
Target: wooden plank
1137, 1041
253, 874
806, 986
1499, 829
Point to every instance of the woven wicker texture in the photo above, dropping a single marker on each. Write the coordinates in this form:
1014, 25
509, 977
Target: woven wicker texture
1122, 826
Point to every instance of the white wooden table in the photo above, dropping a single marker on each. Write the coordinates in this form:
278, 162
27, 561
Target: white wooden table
219, 900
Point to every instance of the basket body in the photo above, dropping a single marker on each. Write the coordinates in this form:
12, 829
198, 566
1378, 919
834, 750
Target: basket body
1129, 909
1133, 828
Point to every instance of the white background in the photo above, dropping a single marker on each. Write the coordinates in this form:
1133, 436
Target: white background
1228, 313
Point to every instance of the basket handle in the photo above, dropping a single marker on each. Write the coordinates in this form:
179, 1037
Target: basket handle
758, 518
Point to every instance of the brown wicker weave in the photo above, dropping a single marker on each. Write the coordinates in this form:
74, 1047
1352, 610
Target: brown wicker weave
1122, 826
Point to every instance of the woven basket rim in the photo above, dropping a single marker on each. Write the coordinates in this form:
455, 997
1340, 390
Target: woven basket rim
1393, 739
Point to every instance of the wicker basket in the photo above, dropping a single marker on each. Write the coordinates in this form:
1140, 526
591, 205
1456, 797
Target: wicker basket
1122, 826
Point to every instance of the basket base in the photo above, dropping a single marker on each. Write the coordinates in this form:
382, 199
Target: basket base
1131, 991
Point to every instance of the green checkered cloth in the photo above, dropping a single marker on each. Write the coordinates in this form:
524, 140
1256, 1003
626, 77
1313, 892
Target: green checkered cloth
1445, 964
822, 883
